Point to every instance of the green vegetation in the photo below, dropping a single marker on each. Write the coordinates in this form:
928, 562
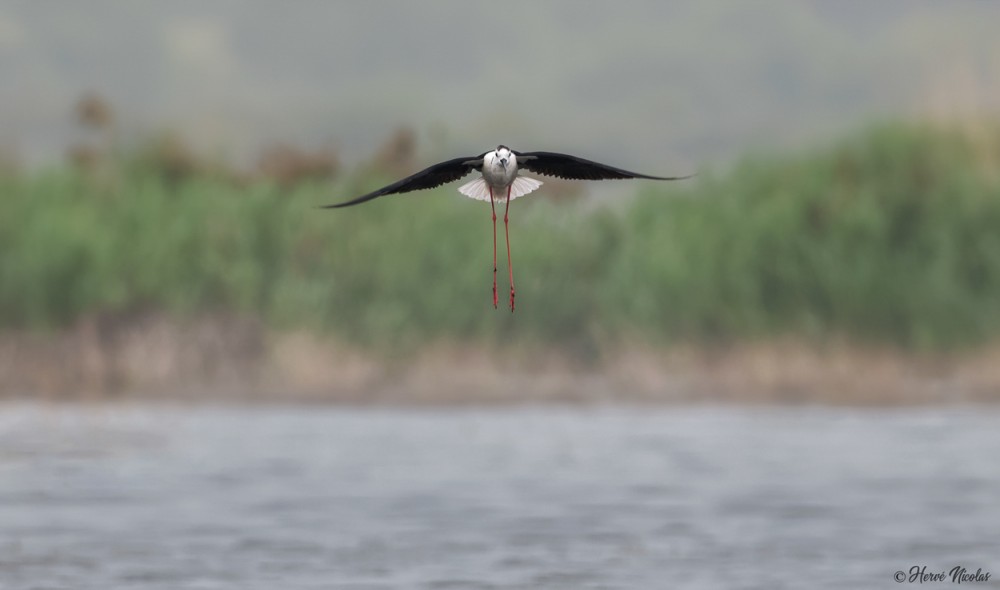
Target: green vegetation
891, 237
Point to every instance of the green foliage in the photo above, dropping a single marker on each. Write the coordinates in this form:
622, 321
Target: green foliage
889, 237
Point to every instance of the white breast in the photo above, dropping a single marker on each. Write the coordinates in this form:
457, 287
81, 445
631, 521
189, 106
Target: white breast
496, 175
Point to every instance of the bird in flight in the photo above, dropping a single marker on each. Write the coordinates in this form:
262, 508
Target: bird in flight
500, 179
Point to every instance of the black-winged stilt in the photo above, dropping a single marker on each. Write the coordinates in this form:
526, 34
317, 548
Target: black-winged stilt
500, 169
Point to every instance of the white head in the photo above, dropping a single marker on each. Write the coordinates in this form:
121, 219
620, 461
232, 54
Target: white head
502, 156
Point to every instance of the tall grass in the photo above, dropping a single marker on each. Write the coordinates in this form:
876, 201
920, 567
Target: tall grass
891, 236
887, 237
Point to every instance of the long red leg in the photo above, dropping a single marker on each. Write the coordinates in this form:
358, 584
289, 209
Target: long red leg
493, 208
510, 265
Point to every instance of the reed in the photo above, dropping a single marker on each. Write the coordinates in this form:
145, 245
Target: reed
889, 236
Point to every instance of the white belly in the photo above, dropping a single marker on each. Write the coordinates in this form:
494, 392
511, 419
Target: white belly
499, 177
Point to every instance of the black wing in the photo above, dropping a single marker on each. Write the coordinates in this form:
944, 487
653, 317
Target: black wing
431, 177
574, 168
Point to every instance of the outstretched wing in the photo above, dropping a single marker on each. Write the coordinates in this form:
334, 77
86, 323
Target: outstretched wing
430, 177
574, 168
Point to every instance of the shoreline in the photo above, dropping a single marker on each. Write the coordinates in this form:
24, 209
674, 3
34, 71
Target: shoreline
231, 359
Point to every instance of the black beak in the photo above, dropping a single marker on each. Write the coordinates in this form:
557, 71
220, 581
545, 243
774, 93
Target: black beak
503, 162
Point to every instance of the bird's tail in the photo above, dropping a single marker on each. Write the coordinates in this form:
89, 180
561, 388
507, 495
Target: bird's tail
478, 189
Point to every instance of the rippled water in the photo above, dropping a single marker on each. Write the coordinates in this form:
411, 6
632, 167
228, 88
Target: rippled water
267, 497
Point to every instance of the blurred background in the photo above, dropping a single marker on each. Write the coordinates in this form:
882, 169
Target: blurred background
836, 261
162, 164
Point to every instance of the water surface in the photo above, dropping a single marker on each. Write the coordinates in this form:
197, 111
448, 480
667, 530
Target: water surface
268, 497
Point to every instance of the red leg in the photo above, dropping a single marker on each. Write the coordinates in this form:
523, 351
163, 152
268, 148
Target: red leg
493, 208
510, 265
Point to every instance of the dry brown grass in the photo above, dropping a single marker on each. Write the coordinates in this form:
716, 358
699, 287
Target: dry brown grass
230, 358
289, 165
93, 111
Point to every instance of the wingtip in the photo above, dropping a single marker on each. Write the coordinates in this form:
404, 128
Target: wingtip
342, 204
685, 177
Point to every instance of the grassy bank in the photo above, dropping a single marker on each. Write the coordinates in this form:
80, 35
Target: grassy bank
888, 237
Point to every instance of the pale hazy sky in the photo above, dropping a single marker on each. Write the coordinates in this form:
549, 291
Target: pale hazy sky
643, 82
